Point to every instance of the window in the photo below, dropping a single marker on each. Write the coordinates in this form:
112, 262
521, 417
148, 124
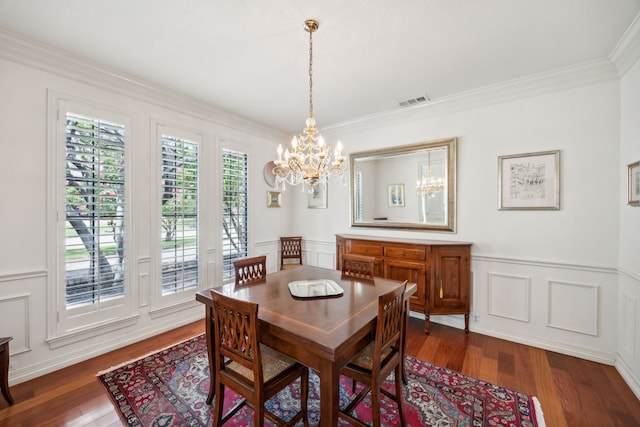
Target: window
179, 225
234, 210
95, 199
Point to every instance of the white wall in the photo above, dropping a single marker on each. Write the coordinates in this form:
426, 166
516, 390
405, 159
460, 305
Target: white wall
629, 249
533, 250
28, 74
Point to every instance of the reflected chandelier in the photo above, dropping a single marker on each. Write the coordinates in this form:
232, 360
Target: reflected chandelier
308, 160
429, 185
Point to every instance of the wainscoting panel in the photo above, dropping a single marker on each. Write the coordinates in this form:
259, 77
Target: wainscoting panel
144, 266
143, 290
326, 259
15, 315
582, 298
509, 296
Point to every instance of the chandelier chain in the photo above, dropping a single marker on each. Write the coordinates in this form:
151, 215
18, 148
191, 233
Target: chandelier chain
310, 73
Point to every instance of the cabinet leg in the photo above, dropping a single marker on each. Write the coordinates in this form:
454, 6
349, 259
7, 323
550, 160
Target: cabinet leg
427, 323
466, 323
4, 373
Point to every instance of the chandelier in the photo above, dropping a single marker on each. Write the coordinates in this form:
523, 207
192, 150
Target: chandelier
308, 160
429, 185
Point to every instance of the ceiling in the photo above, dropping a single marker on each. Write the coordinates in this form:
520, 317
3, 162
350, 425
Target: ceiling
250, 57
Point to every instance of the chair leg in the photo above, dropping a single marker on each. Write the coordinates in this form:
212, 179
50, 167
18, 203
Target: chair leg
399, 398
375, 403
258, 413
304, 394
217, 410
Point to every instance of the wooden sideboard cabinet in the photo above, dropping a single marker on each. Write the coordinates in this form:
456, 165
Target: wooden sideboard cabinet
441, 270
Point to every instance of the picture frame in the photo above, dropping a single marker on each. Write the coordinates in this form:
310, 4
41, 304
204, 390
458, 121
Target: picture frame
633, 184
396, 195
529, 181
318, 196
273, 199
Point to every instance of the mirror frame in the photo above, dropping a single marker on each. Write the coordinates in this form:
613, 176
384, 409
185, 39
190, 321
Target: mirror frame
449, 143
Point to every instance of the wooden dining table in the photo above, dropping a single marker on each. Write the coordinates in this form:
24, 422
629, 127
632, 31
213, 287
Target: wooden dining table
323, 333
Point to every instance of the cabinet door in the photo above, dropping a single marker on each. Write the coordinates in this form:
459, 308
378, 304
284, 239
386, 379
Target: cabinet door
414, 272
450, 279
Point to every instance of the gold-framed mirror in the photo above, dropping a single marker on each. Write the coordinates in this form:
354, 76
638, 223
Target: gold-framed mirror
405, 187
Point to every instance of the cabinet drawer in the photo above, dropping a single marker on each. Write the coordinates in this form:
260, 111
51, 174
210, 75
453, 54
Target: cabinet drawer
370, 249
405, 253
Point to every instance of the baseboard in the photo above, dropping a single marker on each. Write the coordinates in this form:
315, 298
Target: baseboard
604, 357
111, 343
628, 376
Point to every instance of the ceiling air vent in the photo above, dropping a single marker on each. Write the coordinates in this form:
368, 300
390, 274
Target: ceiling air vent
414, 101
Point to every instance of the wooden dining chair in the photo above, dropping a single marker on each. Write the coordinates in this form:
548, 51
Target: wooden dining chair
290, 249
250, 270
373, 364
252, 369
358, 266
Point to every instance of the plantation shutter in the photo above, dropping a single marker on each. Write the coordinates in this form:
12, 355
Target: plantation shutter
234, 215
179, 227
95, 210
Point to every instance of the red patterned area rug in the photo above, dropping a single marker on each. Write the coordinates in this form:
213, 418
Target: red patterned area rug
169, 388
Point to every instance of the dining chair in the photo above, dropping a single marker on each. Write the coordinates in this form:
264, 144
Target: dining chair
358, 266
373, 364
252, 369
290, 249
250, 270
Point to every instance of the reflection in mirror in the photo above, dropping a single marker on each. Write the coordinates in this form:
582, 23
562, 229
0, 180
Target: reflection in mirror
409, 187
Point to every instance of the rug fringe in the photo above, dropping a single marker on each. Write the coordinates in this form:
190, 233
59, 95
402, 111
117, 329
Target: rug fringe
539, 413
146, 355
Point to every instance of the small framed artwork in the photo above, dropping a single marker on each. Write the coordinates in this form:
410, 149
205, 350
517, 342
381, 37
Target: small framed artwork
633, 184
529, 181
273, 199
318, 196
396, 195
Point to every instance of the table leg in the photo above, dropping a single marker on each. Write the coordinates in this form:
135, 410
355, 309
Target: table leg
212, 363
329, 393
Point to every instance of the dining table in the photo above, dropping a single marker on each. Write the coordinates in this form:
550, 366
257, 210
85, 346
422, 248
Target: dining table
322, 330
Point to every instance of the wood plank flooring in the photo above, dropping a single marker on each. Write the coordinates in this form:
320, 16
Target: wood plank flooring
573, 392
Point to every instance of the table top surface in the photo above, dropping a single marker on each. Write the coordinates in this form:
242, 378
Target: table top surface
327, 323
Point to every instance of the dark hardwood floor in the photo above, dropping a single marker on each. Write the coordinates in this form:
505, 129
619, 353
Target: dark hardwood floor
573, 392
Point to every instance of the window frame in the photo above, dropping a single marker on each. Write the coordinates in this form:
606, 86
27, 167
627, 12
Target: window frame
170, 302
66, 325
246, 150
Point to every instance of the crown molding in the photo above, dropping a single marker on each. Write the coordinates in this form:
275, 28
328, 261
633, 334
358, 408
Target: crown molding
46, 58
627, 51
587, 73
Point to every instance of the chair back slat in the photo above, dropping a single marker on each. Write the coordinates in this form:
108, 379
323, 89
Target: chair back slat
290, 249
391, 320
236, 333
358, 266
250, 270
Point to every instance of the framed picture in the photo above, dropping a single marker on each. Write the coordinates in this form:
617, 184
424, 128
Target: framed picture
273, 199
529, 181
396, 195
318, 196
634, 184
